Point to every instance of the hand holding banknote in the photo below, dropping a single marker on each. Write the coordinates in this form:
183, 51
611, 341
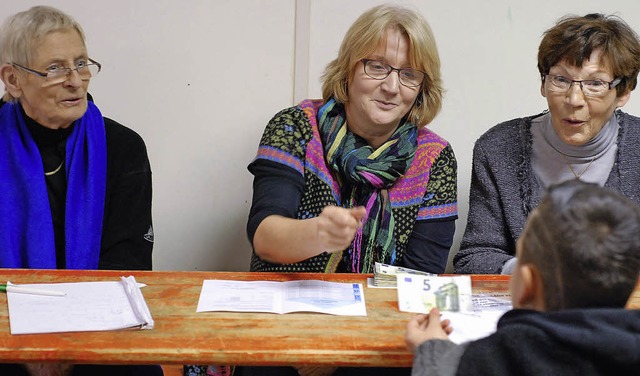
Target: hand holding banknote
425, 327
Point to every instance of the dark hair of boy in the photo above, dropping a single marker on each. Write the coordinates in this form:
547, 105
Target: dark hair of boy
585, 242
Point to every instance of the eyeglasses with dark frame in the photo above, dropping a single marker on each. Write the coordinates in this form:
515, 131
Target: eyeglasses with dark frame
57, 75
590, 88
379, 70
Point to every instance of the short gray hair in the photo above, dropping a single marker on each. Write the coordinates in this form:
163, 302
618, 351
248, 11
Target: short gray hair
21, 32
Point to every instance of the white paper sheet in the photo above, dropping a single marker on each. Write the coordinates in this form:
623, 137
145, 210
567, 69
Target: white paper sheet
345, 299
87, 306
488, 308
476, 315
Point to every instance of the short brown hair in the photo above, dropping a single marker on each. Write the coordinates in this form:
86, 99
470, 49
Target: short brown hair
574, 38
364, 36
585, 242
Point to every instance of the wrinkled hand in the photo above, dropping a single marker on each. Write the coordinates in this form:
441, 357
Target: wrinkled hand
425, 327
337, 226
316, 371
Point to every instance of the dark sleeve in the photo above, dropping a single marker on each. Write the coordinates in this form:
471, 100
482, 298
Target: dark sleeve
429, 245
430, 242
277, 189
278, 168
486, 245
127, 236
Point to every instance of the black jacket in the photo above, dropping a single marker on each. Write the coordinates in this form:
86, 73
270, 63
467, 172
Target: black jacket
584, 342
127, 232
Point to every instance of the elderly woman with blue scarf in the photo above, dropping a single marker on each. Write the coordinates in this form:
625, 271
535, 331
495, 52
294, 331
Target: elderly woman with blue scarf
76, 187
356, 178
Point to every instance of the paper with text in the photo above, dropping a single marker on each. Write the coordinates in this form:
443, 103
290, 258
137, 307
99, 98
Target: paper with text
487, 310
87, 306
344, 299
473, 316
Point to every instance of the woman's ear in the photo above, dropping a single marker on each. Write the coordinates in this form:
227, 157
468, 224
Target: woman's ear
11, 81
542, 89
623, 99
529, 293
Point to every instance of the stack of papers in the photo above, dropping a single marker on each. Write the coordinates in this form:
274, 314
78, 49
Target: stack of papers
345, 299
85, 306
385, 275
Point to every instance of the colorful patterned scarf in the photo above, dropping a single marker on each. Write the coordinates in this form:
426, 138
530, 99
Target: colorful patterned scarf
364, 176
26, 226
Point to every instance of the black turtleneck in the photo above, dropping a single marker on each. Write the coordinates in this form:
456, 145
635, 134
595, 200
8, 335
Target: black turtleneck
52, 146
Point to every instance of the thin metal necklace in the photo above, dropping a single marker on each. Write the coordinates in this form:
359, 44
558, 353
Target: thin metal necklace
578, 176
54, 171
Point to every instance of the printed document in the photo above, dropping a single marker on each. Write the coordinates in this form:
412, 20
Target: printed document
344, 299
487, 310
87, 306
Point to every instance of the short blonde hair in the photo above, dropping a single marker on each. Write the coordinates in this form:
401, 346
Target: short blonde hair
362, 39
21, 32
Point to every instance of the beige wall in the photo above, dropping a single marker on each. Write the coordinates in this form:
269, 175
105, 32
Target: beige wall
199, 79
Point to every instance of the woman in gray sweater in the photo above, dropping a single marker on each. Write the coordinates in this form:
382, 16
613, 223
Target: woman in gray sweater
588, 66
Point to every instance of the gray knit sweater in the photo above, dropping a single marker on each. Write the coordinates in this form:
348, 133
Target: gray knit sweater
504, 190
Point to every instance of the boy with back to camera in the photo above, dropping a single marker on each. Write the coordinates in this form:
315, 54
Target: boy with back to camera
578, 262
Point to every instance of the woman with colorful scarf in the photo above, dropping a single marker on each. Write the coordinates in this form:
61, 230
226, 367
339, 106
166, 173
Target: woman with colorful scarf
356, 178
76, 187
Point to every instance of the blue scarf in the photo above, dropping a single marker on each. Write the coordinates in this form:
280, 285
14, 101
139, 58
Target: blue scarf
26, 226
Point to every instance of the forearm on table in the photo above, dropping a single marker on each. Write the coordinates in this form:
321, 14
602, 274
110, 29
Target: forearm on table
480, 260
285, 240
429, 245
488, 241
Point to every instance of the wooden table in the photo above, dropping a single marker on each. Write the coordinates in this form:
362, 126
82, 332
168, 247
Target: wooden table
182, 336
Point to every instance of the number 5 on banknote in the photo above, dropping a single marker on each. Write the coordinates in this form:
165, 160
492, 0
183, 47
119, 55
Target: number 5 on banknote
419, 294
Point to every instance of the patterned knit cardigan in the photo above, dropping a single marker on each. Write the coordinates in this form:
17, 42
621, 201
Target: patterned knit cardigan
426, 192
504, 189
